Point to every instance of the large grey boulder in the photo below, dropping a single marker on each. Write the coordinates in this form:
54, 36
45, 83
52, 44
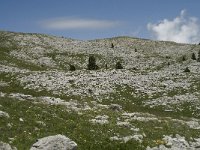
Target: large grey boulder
56, 142
5, 146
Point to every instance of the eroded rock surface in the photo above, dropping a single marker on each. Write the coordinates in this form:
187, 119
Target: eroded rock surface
56, 142
5, 146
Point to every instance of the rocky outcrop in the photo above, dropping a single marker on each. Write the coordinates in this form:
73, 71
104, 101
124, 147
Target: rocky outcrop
5, 146
176, 143
56, 142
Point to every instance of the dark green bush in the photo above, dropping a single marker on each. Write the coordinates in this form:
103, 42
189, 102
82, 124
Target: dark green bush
72, 68
194, 56
187, 69
198, 59
118, 65
92, 63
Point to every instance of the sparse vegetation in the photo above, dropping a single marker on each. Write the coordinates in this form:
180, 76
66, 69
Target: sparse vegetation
155, 95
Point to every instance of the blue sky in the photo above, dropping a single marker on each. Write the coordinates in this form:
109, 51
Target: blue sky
91, 19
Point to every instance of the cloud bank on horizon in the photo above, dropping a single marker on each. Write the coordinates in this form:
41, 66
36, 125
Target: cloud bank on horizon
182, 29
77, 23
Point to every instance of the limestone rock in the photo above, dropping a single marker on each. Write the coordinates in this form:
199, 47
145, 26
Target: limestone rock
5, 146
56, 142
100, 120
177, 143
4, 114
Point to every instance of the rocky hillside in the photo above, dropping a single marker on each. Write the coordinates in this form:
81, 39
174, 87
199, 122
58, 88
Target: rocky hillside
154, 101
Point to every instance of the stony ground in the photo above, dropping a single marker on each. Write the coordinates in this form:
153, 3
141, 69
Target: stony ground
150, 104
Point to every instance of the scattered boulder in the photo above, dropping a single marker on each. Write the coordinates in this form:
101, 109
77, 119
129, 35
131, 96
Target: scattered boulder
125, 139
5, 146
4, 114
124, 124
176, 143
100, 120
56, 142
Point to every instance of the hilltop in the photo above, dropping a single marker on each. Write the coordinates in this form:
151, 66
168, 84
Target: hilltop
153, 101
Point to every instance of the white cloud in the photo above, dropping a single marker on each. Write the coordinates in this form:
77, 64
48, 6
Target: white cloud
182, 29
76, 23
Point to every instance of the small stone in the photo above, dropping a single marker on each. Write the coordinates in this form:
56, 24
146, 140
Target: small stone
20, 119
41, 123
9, 125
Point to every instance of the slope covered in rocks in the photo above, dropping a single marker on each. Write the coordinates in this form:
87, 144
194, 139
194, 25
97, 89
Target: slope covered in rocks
150, 103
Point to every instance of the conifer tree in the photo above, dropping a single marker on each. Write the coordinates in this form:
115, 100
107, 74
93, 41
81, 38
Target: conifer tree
92, 63
198, 59
183, 58
194, 56
112, 45
72, 67
187, 69
135, 49
118, 65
